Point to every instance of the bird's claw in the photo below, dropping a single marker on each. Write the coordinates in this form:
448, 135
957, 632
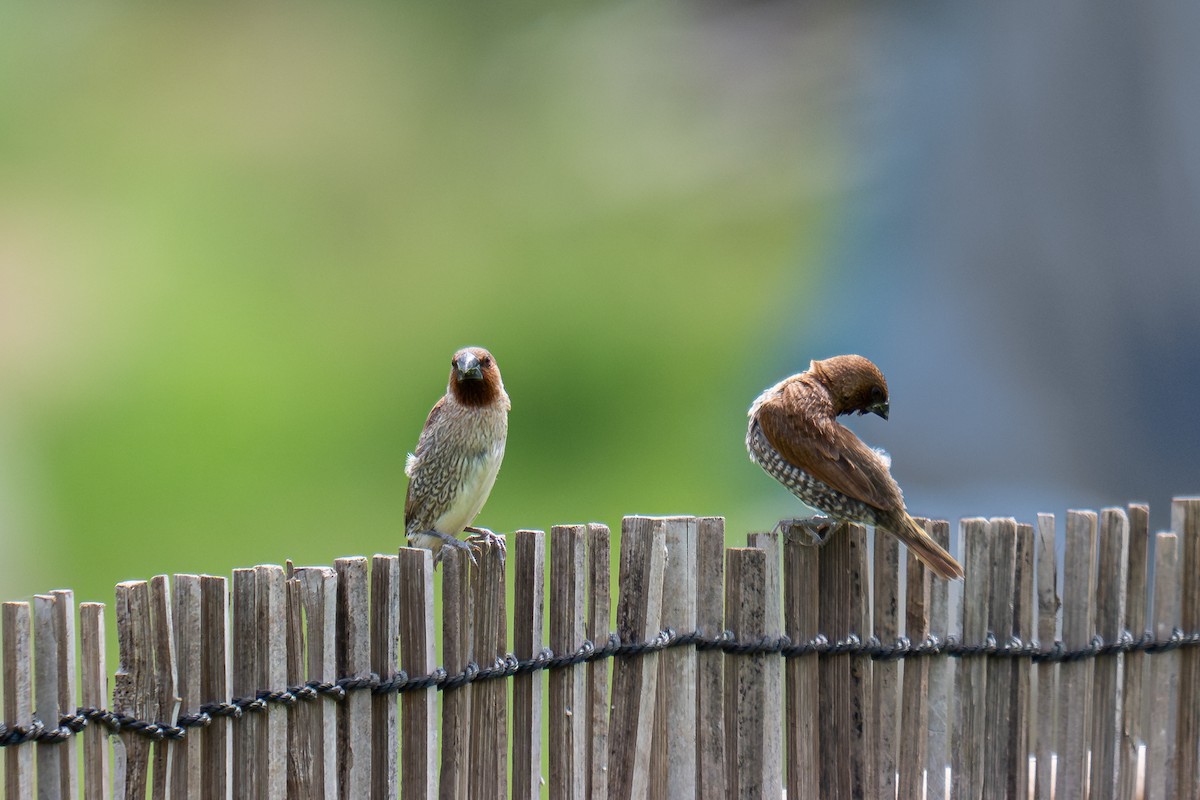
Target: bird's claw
457, 544
819, 529
481, 537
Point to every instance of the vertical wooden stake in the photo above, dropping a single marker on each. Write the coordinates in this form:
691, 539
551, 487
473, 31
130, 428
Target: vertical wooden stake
457, 615
217, 783
1133, 734
914, 698
18, 699
1043, 732
188, 776
885, 680
418, 733
773, 736
599, 560
1161, 761
1075, 678
999, 730
567, 684
1110, 624
489, 699
529, 564
967, 753
710, 664
385, 661
1185, 521
93, 694
942, 709
802, 604
354, 661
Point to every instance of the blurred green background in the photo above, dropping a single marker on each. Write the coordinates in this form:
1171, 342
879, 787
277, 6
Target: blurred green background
239, 245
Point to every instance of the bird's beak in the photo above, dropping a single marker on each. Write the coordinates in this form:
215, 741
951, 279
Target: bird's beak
467, 366
881, 410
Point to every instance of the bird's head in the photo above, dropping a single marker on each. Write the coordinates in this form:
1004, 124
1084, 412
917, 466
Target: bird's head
474, 377
854, 383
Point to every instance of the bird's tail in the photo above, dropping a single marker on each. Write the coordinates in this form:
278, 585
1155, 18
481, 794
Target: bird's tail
924, 547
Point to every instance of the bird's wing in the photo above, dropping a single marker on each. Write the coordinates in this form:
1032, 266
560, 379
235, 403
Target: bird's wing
829, 452
416, 499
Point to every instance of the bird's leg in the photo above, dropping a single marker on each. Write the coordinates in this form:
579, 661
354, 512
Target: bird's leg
819, 528
485, 536
451, 541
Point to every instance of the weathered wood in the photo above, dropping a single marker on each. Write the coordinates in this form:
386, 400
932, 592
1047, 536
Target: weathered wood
999, 733
354, 661
846, 733
773, 736
914, 710
144, 686
1075, 678
1133, 734
635, 679
1161, 760
1044, 724
529, 593
316, 721
745, 689
216, 741
272, 675
188, 774
599, 561
251, 728
941, 677
18, 698
885, 679
801, 587
300, 758
54, 678
489, 706
418, 731
93, 694
1185, 521
568, 697
710, 664
1024, 629
1108, 683
385, 661
971, 725
675, 716
456, 617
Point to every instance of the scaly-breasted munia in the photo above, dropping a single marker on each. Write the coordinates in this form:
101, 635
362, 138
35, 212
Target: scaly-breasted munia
794, 435
457, 457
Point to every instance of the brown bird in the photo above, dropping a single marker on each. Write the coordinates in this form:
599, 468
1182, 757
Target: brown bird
794, 435
457, 457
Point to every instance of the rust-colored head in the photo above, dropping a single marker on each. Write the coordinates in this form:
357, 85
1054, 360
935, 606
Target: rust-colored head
474, 377
854, 383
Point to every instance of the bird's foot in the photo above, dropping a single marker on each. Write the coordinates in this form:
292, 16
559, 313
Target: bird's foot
819, 529
447, 541
483, 536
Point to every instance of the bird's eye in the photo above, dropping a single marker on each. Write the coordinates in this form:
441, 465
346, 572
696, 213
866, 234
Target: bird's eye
485, 363
876, 393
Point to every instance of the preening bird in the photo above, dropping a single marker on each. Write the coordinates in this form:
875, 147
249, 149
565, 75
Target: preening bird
795, 437
451, 473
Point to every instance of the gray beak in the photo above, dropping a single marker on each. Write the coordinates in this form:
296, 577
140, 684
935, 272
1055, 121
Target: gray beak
467, 367
881, 410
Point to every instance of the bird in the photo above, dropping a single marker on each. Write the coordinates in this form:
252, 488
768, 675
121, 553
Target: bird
795, 437
459, 452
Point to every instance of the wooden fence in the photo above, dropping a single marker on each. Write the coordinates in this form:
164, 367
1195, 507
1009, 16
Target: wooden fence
815, 690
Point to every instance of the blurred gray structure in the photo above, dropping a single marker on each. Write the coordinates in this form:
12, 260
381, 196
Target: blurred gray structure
1020, 251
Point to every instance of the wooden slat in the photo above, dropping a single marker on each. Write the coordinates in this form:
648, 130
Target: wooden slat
299, 757
745, 690
845, 679
18, 699
635, 679
567, 684
1043, 737
941, 675
599, 561
999, 733
93, 694
967, 753
1185, 521
418, 718
1024, 629
385, 661
1075, 677
217, 742
64, 624
456, 616
1113, 565
885, 680
773, 736
354, 661
272, 676
529, 593
1133, 734
144, 686
489, 706
188, 774
675, 716
914, 711
55, 772
801, 588
1161, 764
251, 728
317, 719
710, 664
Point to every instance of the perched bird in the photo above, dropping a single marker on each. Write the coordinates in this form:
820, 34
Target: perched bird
457, 457
795, 437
